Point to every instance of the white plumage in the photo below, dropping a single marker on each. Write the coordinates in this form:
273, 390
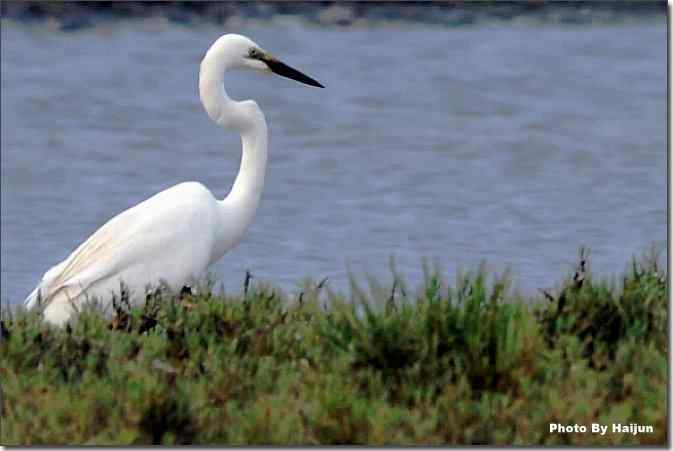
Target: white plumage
176, 234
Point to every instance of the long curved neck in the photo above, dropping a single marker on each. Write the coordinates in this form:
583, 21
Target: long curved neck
238, 207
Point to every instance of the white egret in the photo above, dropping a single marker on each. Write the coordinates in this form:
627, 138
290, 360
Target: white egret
175, 235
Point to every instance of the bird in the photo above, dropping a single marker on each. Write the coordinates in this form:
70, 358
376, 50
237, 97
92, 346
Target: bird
175, 235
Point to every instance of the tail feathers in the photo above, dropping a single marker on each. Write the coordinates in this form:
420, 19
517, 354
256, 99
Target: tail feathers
34, 299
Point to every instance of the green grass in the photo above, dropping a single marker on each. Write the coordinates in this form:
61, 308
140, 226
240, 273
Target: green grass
466, 364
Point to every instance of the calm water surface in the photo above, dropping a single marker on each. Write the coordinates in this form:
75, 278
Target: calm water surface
513, 145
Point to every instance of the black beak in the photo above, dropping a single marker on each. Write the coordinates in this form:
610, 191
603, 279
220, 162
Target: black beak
284, 70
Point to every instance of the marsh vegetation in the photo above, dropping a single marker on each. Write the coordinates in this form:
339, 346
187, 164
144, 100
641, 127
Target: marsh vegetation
468, 362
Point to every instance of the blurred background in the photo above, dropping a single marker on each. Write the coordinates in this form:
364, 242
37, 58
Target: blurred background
511, 133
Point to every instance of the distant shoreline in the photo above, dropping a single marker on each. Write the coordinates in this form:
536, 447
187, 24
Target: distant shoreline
73, 15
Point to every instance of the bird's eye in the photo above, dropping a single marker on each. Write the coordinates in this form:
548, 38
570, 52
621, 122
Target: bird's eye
254, 53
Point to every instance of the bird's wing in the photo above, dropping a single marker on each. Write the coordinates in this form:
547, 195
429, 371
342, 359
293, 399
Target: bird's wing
98, 257
140, 232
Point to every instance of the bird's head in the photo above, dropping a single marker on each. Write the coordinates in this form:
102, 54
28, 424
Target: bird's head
237, 51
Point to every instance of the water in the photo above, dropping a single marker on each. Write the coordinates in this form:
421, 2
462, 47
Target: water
510, 144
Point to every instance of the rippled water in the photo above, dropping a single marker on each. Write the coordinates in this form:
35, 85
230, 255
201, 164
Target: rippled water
513, 144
